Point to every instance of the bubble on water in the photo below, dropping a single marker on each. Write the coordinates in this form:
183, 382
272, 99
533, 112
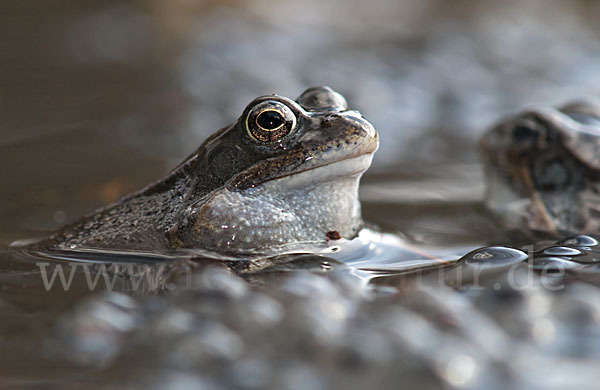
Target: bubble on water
579, 241
552, 264
561, 251
495, 256
481, 263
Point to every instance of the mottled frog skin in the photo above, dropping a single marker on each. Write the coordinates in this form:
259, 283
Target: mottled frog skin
284, 174
543, 169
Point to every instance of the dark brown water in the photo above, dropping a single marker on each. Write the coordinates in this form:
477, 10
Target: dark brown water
97, 99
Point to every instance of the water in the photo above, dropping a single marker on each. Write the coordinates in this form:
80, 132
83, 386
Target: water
99, 100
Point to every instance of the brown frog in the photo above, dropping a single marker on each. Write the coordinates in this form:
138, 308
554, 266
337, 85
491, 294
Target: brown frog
543, 169
284, 174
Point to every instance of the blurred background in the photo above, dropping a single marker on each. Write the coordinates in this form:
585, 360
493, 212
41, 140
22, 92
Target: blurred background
98, 98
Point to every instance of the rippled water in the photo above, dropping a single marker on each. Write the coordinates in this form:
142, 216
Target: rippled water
97, 100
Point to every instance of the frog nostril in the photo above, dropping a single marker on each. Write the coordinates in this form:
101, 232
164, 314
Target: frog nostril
322, 98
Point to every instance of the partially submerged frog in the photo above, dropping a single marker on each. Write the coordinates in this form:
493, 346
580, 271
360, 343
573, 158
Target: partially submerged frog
543, 169
284, 174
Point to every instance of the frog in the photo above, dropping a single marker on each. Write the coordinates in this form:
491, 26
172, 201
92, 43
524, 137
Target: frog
283, 175
542, 168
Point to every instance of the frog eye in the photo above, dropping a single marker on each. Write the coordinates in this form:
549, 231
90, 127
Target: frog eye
270, 121
522, 133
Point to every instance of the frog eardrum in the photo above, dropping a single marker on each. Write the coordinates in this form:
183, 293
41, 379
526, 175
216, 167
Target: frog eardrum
270, 121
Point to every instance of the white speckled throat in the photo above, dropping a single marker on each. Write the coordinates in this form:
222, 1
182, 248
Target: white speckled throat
300, 208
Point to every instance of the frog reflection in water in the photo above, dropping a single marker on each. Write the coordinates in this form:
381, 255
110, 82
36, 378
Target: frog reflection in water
543, 170
284, 174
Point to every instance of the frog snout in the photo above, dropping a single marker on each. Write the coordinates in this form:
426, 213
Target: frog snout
322, 98
358, 121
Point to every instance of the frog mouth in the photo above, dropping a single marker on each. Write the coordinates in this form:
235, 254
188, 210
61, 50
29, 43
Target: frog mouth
324, 171
349, 166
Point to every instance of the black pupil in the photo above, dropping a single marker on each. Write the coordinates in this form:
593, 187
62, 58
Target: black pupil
270, 120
